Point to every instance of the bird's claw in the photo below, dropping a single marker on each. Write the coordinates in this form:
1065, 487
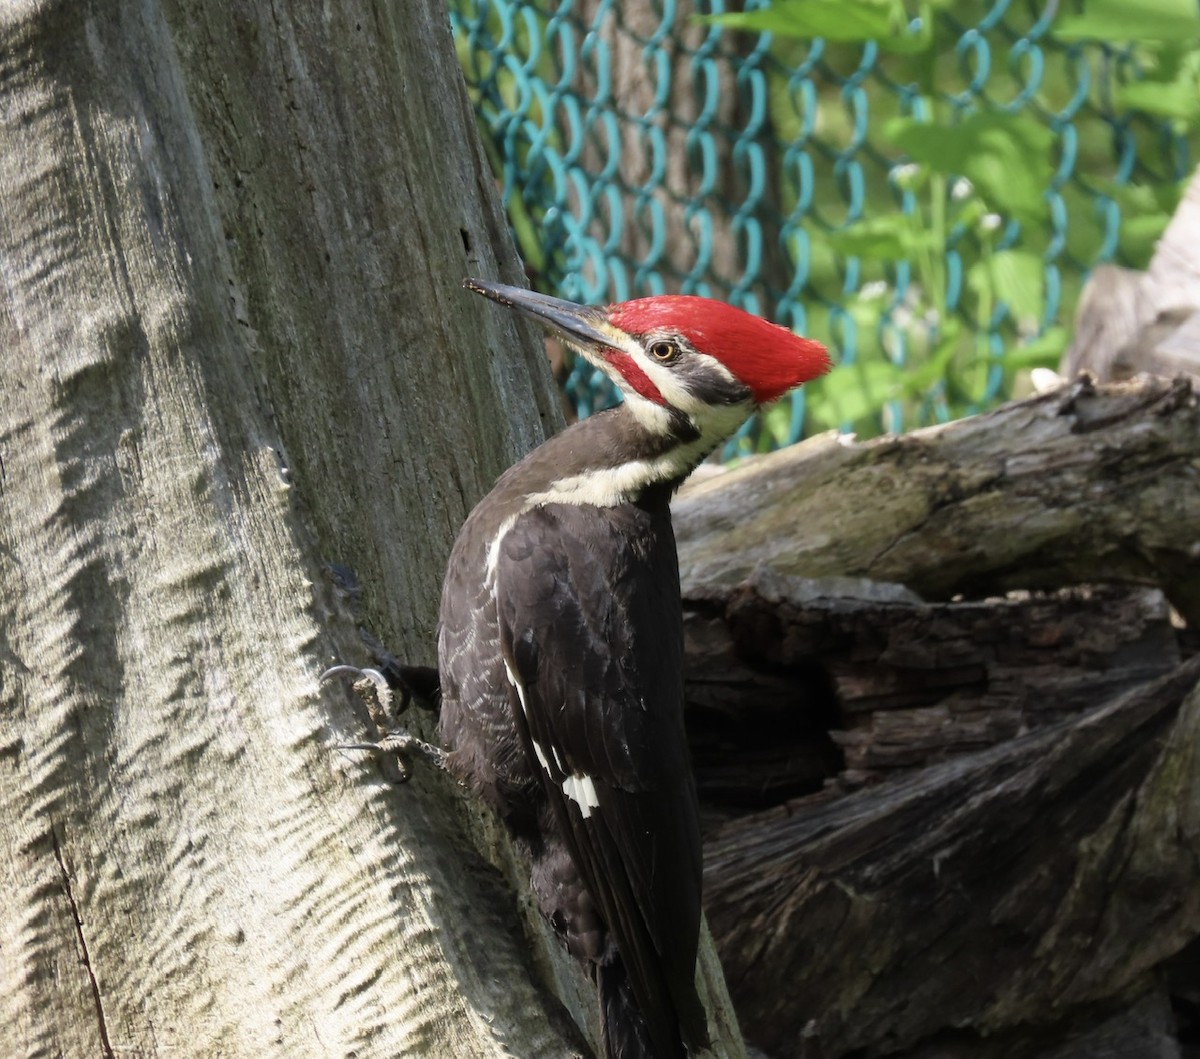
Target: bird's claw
373, 688
403, 745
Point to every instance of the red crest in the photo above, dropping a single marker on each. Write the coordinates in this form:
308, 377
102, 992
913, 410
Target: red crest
767, 358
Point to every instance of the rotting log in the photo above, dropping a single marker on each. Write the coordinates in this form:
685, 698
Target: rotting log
1079, 486
1006, 894
795, 685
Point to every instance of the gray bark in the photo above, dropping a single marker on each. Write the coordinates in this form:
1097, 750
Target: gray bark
802, 686
994, 906
1074, 487
239, 374
1021, 884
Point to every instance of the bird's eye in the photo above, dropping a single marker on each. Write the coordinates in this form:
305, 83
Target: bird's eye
664, 350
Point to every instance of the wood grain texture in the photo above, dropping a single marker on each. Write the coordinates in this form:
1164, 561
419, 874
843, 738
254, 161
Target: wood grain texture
237, 357
1007, 895
797, 686
1074, 487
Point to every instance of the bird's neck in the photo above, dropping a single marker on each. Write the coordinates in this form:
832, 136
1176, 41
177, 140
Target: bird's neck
615, 458
607, 460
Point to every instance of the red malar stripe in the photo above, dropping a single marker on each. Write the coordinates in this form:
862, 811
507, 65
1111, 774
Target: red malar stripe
633, 374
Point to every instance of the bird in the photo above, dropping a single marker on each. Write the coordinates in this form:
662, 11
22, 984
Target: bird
560, 645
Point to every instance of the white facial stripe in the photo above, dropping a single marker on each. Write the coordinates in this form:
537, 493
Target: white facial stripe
715, 422
582, 791
669, 384
654, 417
665, 379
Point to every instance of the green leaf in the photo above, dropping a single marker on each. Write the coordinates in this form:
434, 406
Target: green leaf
888, 238
839, 21
1045, 351
853, 391
1166, 60
1006, 157
1146, 21
1142, 199
777, 425
1176, 99
1140, 236
918, 380
1016, 277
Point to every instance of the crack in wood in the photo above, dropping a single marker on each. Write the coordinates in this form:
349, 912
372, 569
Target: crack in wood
101, 1023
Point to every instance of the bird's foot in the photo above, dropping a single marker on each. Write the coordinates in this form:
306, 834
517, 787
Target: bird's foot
415, 684
418, 685
403, 745
374, 688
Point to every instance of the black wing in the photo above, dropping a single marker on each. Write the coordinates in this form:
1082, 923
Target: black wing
594, 645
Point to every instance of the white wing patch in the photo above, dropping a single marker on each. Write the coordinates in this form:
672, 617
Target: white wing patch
582, 791
614, 484
543, 760
512, 679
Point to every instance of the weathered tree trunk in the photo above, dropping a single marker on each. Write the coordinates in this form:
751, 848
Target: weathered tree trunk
1082, 485
947, 827
238, 377
799, 686
990, 906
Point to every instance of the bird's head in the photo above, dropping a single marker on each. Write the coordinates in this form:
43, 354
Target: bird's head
685, 364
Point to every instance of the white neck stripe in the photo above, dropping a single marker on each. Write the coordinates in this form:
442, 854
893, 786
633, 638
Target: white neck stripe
611, 486
606, 487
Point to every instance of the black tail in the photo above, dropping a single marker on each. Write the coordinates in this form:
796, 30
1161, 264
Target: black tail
627, 1033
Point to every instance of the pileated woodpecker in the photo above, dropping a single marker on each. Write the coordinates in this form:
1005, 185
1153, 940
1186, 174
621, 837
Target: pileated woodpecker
560, 648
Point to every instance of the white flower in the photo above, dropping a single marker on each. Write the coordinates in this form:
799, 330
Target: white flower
1045, 379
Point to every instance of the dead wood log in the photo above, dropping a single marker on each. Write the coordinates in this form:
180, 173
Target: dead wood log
1075, 487
793, 684
1005, 894
1143, 1029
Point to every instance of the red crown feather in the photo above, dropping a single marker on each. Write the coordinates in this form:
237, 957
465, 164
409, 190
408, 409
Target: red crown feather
767, 358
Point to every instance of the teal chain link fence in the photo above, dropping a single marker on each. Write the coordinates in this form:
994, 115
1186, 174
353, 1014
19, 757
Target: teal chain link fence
924, 188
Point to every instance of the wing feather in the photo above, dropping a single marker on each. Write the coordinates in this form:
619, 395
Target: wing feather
596, 647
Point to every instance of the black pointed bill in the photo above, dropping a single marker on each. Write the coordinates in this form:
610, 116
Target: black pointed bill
581, 325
